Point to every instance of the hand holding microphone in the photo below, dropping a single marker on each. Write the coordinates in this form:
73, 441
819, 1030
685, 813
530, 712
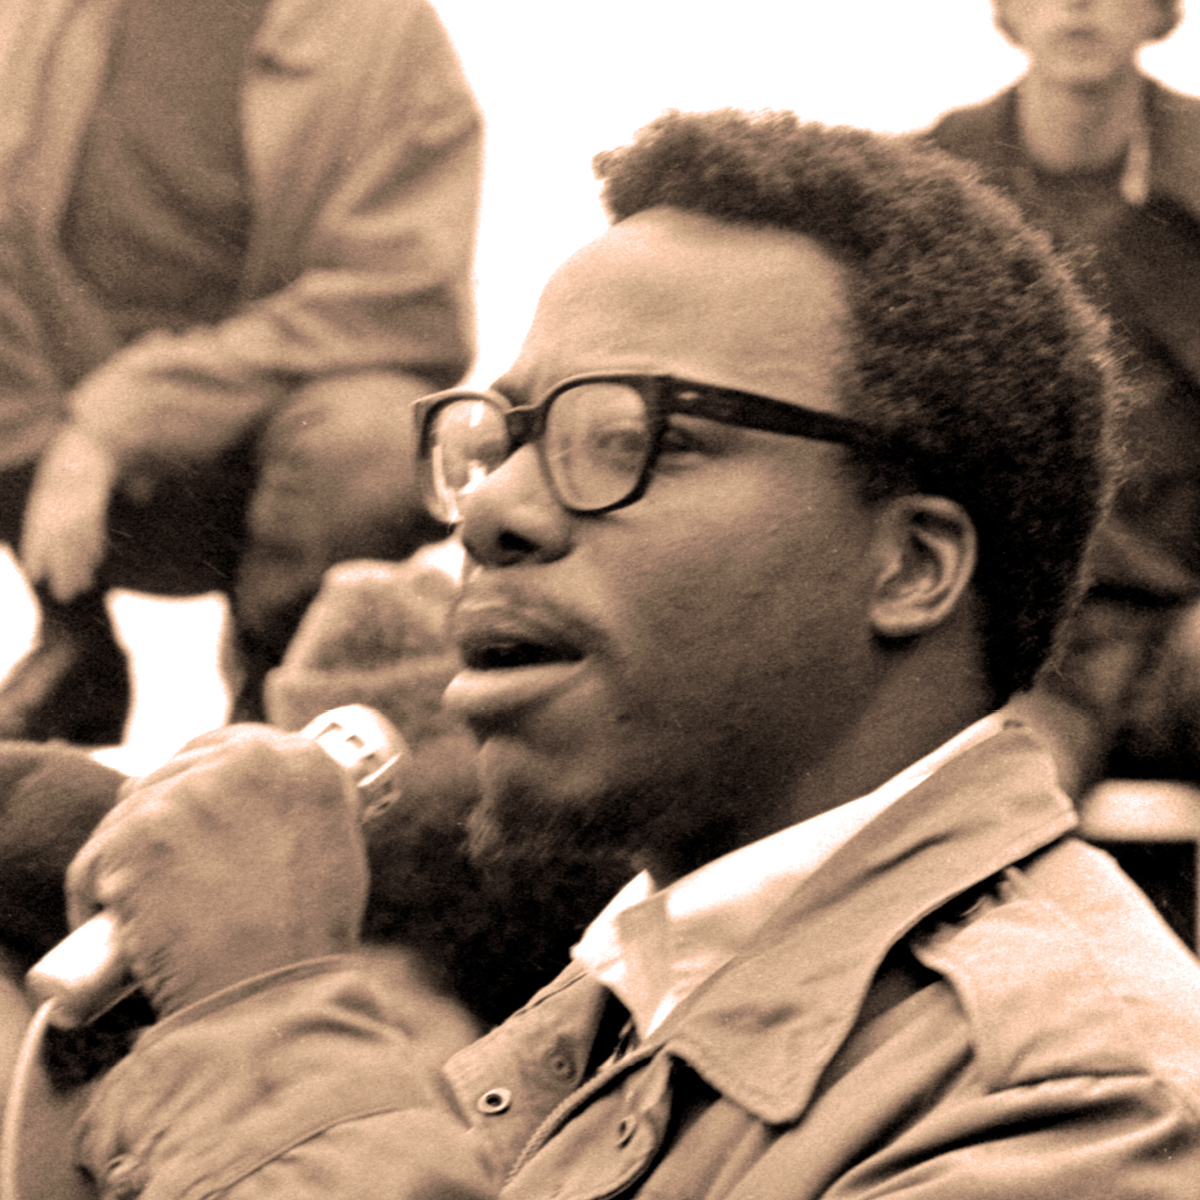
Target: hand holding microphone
240, 855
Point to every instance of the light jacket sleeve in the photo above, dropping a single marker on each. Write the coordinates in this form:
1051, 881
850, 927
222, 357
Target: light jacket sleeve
363, 147
308, 1082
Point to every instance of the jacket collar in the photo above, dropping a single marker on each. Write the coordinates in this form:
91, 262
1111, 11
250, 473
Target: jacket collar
988, 133
1174, 121
765, 1027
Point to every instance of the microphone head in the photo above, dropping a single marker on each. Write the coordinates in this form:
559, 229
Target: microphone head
369, 747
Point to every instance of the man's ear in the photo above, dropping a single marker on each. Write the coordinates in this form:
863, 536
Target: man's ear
928, 550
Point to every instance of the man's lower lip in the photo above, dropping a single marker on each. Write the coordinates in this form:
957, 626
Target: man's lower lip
487, 693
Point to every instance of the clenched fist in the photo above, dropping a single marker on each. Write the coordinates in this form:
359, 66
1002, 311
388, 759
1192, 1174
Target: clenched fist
240, 855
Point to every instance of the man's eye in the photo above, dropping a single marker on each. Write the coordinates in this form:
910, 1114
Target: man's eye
618, 446
677, 441
688, 435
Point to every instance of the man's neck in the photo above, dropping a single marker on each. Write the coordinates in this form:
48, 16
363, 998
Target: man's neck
861, 766
1071, 128
665, 868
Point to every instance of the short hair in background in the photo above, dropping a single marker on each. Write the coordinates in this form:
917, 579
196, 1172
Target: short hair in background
970, 341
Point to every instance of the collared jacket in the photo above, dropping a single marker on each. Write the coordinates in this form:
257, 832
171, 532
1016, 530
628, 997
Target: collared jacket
362, 147
964, 1002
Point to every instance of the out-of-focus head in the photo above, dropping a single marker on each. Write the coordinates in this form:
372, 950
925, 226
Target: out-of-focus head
1085, 41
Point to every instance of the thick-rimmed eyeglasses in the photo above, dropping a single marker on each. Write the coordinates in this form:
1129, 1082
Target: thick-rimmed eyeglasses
598, 436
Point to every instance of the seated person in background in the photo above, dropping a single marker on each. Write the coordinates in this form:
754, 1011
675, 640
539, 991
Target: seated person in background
786, 492
1104, 159
235, 242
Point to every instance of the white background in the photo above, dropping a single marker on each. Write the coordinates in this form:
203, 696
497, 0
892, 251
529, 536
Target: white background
559, 80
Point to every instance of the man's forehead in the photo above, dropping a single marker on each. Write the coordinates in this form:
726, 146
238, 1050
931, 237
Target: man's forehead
679, 293
652, 252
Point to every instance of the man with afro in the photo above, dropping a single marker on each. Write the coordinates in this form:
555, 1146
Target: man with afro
787, 491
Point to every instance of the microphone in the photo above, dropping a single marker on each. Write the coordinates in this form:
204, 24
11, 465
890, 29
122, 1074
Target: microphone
84, 974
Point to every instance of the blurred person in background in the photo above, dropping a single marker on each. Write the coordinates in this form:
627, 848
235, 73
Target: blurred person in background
235, 241
1107, 160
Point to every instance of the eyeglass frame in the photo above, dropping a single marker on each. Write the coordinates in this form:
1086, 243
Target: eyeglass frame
661, 395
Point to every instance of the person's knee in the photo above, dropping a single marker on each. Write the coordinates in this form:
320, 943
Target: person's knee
336, 481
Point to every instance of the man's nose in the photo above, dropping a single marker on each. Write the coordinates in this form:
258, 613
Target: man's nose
511, 516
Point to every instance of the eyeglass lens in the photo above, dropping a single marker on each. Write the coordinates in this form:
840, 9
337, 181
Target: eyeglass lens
594, 446
468, 442
596, 443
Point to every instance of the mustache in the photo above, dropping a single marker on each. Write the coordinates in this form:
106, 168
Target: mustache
484, 613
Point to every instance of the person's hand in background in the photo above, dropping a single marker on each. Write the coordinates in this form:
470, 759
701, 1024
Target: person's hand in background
66, 518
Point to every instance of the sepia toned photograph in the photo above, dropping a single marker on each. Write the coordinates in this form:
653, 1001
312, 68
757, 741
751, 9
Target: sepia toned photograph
600, 601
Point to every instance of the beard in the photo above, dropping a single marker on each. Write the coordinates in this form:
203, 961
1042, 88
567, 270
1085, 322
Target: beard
670, 830
520, 826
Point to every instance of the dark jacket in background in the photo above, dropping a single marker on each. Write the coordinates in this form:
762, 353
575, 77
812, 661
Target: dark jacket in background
1139, 256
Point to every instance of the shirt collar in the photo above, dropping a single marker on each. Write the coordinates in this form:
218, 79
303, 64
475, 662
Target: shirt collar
653, 948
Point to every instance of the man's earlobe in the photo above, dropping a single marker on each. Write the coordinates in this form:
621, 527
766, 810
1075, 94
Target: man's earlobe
927, 551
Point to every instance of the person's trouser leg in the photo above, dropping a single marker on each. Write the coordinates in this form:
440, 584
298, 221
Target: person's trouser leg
74, 684
335, 481
185, 541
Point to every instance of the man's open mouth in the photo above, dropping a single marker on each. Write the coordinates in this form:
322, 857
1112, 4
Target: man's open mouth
516, 658
510, 665
507, 653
